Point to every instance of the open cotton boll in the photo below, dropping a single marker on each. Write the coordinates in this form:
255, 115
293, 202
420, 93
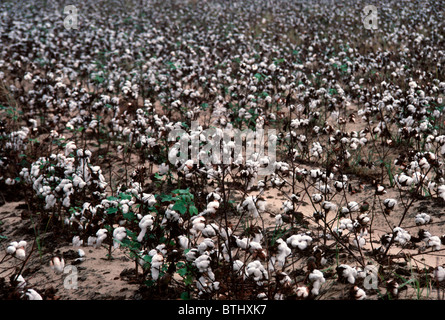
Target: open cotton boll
210, 230
346, 273
20, 282
283, 252
119, 234
198, 224
300, 241
149, 199
184, 242
206, 244
77, 242
302, 292
12, 248
145, 223
434, 242
256, 270
402, 236
101, 235
57, 264
31, 294
212, 207
358, 293
317, 198
359, 241
317, 279
422, 218
439, 273
202, 262
156, 263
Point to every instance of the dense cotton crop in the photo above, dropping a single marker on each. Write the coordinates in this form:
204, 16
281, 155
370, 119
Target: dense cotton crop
230, 149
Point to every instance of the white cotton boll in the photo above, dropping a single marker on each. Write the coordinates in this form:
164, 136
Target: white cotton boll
184, 242
149, 199
359, 242
57, 264
302, 292
202, 262
439, 273
12, 248
77, 242
210, 230
316, 198
212, 207
390, 203
119, 234
353, 206
20, 253
242, 243
101, 235
328, 206
206, 244
21, 283
156, 263
359, 294
434, 242
261, 296
198, 224
283, 252
317, 279
347, 272
91, 241
31, 294
402, 236
256, 270
422, 218
191, 255
278, 220
237, 266
144, 224
300, 241
81, 253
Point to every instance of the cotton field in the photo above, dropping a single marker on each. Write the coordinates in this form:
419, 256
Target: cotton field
246, 150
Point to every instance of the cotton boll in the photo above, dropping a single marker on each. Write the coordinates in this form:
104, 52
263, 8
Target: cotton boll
434, 242
77, 242
317, 279
31, 294
422, 218
57, 264
206, 244
402, 236
156, 263
302, 292
101, 235
358, 294
390, 203
316, 198
256, 270
202, 262
439, 273
346, 273
359, 242
198, 224
119, 234
184, 242
11, 249
145, 223
210, 230
300, 241
283, 252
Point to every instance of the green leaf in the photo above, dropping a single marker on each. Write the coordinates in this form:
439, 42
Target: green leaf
185, 296
111, 210
193, 210
180, 206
